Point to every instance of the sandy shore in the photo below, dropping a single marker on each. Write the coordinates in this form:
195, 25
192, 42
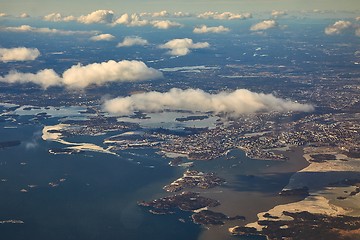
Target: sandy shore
317, 176
47, 135
250, 203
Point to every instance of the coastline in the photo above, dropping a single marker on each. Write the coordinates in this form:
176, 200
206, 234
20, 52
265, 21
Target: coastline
249, 202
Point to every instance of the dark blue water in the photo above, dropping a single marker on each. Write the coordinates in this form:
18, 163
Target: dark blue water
97, 199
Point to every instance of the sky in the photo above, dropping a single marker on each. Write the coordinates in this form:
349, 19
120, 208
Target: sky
78, 7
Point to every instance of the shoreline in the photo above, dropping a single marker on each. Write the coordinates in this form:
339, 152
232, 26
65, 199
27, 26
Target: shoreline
251, 203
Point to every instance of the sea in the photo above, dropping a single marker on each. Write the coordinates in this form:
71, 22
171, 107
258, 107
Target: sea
94, 195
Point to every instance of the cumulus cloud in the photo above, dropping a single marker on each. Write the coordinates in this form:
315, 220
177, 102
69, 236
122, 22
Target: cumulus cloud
18, 54
27, 28
132, 41
57, 17
79, 76
264, 25
357, 32
3, 14
181, 14
182, 46
133, 20
103, 37
99, 16
224, 15
165, 24
163, 13
206, 29
24, 15
45, 78
277, 13
337, 28
235, 103
357, 18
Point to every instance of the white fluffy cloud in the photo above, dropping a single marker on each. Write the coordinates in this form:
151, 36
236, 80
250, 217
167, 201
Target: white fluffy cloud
79, 76
224, 15
235, 103
99, 16
18, 54
264, 25
24, 15
165, 24
206, 29
182, 14
337, 27
182, 46
163, 13
132, 41
278, 13
3, 14
133, 20
27, 28
103, 37
45, 78
357, 32
57, 17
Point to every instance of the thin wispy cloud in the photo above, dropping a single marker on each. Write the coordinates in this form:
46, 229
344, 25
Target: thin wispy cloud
80, 77
27, 28
18, 54
183, 46
234, 103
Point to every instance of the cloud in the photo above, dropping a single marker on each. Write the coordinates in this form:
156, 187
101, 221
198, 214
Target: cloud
181, 47
357, 18
264, 25
79, 76
181, 14
235, 103
3, 14
45, 78
337, 28
357, 32
224, 15
103, 37
277, 13
24, 15
57, 17
132, 20
132, 41
165, 24
27, 28
18, 54
163, 13
206, 29
99, 16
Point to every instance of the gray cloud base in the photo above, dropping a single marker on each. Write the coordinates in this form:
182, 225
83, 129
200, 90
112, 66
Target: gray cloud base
235, 103
80, 77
